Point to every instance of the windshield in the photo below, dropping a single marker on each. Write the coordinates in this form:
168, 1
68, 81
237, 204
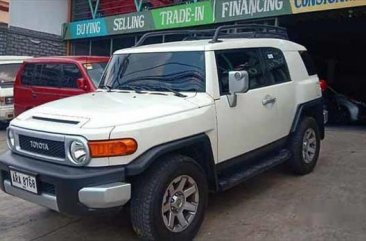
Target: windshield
178, 71
8, 73
95, 71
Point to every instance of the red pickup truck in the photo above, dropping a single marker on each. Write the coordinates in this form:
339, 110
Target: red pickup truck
45, 79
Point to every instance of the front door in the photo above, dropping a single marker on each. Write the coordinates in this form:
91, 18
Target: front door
252, 122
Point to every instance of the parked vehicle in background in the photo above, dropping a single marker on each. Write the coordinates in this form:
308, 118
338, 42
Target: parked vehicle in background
170, 123
41, 80
342, 109
9, 66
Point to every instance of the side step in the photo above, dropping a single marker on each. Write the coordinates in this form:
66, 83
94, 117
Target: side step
245, 172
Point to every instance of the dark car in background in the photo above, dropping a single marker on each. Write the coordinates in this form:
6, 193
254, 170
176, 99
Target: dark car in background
41, 80
342, 109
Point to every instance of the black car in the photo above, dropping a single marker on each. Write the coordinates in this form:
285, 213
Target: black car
342, 109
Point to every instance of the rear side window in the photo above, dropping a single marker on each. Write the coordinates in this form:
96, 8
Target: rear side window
8, 72
308, 62
275, 66
28, 74
51, 75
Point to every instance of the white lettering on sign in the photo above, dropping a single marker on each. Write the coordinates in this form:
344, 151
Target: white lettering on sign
87, 28
184, 15
249, 7
131, 22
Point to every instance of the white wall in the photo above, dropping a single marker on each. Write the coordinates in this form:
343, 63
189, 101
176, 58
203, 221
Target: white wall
39, 15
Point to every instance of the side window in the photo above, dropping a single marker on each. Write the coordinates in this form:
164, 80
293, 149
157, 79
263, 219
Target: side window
28, 74
308, 62
51, 75
239, 59
70, 74
8, 72
275, 66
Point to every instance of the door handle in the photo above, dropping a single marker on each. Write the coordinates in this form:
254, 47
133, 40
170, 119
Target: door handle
34, 95
268, 100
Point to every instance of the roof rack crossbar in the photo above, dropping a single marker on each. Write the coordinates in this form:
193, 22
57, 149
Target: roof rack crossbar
250, 31
189, 33
252, 28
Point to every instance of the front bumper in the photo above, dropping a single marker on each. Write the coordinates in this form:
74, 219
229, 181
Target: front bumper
6, 112
71, 190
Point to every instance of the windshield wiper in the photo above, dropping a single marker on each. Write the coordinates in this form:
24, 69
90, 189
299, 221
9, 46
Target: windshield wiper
176, 93
107, 87
137, 89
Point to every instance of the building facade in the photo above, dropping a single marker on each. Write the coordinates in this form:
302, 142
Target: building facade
33, 27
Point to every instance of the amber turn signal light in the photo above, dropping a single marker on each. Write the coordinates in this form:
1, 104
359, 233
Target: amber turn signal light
120, 147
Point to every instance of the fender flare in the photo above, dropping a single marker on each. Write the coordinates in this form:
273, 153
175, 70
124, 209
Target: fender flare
151, 156
313, 108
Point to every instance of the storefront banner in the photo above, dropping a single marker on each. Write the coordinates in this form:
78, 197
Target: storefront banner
199, 13
185, 15
302, 6
231, 10
118, 24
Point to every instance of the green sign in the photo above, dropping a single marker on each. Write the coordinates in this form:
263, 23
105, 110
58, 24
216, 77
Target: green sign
119, 24
193, 14
231, 10
183, 15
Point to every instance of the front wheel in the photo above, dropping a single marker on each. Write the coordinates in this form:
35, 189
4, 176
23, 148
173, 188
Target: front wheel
169, 200
305, 147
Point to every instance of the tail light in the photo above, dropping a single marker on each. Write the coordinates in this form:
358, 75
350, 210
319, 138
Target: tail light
323, 85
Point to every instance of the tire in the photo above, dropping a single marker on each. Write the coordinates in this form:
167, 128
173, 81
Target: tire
158, 188
305, 138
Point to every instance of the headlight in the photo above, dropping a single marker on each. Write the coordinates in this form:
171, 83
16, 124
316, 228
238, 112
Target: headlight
79, 153
10, 138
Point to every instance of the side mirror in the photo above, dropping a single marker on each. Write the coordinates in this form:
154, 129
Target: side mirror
81, 83
238, 83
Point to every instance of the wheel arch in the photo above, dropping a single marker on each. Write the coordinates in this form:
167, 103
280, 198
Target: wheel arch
313, 109
198, 147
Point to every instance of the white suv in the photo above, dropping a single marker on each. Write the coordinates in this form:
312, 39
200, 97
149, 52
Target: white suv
9, 66
171, 122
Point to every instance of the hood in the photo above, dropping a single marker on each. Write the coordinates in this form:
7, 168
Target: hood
108, 109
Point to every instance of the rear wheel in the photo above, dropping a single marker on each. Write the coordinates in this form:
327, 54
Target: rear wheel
305, 147
169, 200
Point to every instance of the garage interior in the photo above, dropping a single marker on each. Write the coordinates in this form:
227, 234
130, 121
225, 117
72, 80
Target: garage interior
337, 42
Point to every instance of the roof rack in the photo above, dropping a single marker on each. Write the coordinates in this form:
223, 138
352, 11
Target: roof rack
191, 34
251, 30
240, 31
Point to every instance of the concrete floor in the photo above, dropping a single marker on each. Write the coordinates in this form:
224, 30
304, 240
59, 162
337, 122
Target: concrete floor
329, 204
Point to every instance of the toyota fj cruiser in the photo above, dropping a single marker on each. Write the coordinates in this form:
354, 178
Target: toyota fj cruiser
170, 122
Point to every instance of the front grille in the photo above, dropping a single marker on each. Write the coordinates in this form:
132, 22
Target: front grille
42, 146
9, 100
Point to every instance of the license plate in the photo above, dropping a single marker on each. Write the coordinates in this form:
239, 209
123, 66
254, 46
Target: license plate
24, 181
